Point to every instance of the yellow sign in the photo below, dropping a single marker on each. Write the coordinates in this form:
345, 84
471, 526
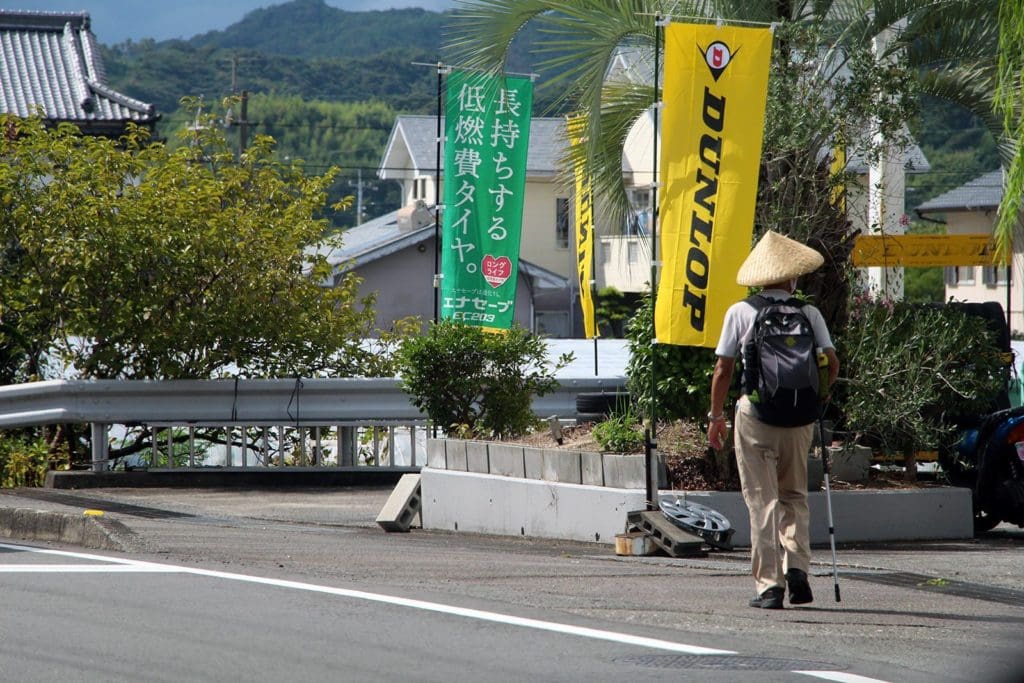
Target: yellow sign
716, 80
925, 251
584, 230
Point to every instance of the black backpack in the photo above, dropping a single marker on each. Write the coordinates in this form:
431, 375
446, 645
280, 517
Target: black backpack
780, 367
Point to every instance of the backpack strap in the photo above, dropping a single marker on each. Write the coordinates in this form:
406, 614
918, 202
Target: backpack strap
759, 301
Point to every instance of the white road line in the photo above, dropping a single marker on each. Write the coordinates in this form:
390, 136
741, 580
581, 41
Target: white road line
839, 677
482, 615
84, 569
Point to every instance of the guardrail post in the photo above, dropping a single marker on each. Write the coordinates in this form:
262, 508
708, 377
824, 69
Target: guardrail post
155, 453
229, 455
100, 450
170, 446
346, 446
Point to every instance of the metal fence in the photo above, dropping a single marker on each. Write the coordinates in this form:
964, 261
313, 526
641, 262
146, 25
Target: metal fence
253, 423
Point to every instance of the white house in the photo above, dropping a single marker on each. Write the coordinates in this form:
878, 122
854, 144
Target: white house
971, 208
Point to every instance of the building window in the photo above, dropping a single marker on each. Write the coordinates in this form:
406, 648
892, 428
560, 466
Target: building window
638, 222
959, 275
993, 276
633, 252
562, 223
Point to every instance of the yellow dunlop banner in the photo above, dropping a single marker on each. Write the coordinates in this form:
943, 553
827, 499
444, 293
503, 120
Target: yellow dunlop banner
925, 251
584, 230
716, 81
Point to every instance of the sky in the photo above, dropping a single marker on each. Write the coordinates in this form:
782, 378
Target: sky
114, 21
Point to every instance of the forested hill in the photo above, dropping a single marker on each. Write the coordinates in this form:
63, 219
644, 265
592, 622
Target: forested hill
310, 28
304, 48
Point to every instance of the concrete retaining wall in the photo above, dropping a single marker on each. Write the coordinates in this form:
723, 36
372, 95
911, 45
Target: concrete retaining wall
511, 506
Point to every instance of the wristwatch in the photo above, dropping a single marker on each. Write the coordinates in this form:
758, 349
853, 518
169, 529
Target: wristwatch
716, 418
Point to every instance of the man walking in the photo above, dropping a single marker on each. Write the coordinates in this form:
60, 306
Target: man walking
772, 441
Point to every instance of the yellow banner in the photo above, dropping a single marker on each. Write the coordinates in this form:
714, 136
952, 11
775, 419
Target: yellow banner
584, 230
837, 168
716, 81
925, 251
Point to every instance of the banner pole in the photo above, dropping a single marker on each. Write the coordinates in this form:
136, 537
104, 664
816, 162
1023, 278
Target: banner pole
437, 195
593, 283
651, 431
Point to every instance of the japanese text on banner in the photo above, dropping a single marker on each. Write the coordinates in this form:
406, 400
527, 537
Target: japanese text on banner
487, 134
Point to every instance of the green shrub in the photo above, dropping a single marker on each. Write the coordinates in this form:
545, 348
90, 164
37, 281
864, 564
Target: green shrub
475, 382
620, 433
23, 461
907, 370
683, 382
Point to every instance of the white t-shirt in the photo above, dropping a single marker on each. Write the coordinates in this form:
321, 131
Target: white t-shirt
739, 319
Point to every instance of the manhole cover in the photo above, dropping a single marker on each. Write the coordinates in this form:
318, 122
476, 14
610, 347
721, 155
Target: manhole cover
726, 663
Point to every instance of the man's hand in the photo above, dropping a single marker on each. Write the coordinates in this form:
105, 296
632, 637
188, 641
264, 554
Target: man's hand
717, 431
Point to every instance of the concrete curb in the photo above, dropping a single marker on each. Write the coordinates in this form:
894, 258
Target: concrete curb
231, 478
99, 533
492, 504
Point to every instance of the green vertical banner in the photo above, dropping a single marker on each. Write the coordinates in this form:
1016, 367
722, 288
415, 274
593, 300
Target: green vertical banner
487, 134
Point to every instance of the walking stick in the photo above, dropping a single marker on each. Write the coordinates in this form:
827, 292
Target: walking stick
828, 505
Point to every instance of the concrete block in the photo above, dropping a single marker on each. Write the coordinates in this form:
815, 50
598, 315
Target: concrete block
815, 473
533, 463
476, 457
591, 468
561, 466
455, 453
436, 454
506, 460
849, 463
402, 505
490, 504
624, 471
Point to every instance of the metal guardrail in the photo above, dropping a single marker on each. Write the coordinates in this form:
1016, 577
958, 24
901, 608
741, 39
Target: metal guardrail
240, 407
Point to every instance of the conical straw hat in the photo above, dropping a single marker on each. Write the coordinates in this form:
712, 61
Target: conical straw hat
777, 258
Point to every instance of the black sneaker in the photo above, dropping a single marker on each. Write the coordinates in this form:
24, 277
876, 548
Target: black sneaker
799, 589
771, 598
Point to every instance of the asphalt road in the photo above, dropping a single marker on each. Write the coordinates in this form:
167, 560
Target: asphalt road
302, 585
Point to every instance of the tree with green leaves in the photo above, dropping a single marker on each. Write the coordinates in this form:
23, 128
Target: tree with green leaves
831, 80
478, 384
1009, 102
126, 259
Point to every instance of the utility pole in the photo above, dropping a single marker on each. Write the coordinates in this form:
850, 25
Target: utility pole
243, 124
359, 196
243, 120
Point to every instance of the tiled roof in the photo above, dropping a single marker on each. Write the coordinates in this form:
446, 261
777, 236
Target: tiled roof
984, 192
382, 236
547, 144
51, 60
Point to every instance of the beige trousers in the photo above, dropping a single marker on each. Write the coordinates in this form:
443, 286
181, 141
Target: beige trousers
772, 463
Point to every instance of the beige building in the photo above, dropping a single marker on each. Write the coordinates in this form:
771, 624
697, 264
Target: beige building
971, 208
